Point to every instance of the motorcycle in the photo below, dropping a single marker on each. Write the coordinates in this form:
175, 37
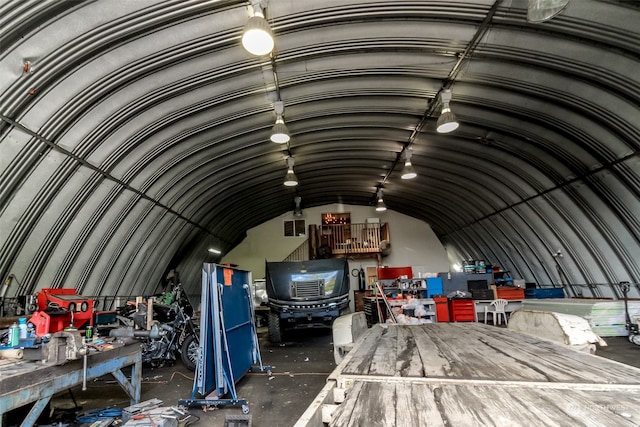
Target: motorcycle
172, 332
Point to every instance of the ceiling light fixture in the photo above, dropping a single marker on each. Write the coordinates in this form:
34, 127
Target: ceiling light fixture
380, 206
408, 172
297, 212
447, 121
279, 132
290, 179
257, 37
543, 10
214, 251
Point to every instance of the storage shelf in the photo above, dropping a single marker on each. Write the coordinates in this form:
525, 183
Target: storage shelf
371, 311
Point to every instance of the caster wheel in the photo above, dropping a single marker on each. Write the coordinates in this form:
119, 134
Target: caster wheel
245, 409
269, 372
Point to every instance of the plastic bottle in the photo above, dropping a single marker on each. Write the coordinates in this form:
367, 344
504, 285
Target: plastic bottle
14, 335
22, 324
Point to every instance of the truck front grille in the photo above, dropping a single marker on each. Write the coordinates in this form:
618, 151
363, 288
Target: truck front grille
309, 289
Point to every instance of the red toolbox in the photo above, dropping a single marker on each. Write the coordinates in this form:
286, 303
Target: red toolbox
392, 273
442, 309
65, 308
462, 310
508, 292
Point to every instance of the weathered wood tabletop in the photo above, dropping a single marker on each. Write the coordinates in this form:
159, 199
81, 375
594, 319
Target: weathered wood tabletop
469, 374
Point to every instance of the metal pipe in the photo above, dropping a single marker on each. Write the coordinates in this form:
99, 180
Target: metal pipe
129, 332
84, 369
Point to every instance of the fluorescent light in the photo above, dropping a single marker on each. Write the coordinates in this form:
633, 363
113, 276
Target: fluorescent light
214, 251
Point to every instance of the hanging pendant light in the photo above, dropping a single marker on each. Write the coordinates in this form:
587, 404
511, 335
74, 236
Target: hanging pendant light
447, 121
380, 206
279, 132
257, 37
408, 172
543, 10
290, 179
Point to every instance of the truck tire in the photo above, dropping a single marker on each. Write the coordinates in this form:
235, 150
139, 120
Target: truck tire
275, 331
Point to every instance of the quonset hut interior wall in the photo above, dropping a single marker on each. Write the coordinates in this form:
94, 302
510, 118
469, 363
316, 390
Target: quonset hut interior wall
133, 136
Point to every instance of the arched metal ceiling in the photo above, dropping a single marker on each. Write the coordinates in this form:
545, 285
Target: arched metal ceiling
134, 134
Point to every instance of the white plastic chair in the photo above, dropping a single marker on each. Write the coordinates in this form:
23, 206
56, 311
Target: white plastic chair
496, 307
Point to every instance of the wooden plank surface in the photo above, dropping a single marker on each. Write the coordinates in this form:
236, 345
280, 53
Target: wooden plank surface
30, 374
416, 407
373, 406
434, 364
559, 363
383, 361
398, 404
364, 349
407, 358
479, 352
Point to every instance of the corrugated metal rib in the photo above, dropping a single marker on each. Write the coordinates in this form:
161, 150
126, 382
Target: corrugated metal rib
147, 170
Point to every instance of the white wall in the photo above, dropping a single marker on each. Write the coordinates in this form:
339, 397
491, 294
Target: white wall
413, 243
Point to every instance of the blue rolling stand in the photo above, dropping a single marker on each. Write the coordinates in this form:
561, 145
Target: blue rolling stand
228, 338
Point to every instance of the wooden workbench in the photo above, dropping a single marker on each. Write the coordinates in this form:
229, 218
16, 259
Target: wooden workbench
23, 382
469, 374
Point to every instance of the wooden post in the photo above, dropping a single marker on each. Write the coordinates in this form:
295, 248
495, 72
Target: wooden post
149, 313
139, 300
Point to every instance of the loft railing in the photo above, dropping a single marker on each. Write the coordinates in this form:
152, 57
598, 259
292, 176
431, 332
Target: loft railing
344, 239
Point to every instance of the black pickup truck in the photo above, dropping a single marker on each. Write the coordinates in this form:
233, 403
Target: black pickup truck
304, 294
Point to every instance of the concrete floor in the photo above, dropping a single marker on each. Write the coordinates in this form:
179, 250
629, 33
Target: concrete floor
300, 367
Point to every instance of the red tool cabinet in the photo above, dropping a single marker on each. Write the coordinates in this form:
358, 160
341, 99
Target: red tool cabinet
462, 310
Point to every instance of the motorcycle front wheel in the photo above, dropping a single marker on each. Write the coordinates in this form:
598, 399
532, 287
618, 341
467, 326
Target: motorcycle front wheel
189, 352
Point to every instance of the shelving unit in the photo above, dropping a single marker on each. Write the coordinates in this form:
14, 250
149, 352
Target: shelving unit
397, 284
417, 287
428, 304
502, 278
371, 311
